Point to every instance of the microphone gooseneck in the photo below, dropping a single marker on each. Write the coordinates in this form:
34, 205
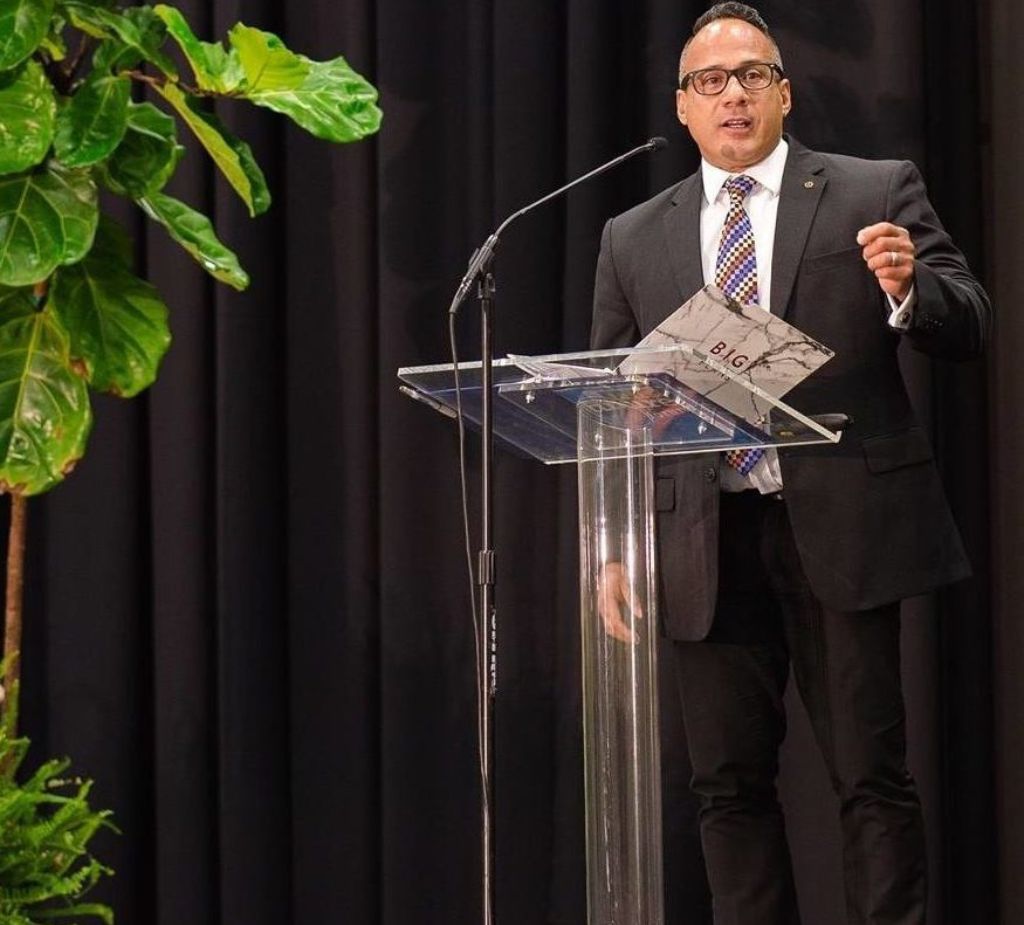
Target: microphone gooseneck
482, 256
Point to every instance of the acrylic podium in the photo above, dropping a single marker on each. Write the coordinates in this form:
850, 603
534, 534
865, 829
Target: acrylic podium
612, 413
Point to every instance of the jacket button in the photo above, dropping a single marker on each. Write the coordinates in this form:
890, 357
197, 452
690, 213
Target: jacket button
710, 474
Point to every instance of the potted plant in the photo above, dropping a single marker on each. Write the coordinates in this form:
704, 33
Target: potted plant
93, 97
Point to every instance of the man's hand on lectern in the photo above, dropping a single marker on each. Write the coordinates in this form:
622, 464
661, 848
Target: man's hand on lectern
613, 594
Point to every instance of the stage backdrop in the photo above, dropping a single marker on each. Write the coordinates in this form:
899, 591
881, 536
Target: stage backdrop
248, 610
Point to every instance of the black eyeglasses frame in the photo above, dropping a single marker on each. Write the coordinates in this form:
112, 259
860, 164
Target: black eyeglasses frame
730, 73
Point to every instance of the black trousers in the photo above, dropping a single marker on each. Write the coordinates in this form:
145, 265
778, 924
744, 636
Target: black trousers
847, 669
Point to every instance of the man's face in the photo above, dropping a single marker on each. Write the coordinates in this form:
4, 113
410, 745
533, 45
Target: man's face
739, 127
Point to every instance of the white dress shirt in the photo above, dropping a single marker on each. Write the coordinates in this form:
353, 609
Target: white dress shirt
762, 206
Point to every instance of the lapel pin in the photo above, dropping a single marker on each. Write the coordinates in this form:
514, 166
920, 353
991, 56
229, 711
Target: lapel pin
808, 184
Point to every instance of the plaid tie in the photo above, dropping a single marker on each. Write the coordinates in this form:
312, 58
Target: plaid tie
736, 276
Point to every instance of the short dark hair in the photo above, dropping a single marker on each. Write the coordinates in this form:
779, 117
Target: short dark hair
730, 9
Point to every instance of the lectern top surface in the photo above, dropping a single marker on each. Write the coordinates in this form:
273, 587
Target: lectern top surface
685, 402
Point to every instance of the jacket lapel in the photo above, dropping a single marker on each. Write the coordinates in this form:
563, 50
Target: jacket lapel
682, 230
803, 182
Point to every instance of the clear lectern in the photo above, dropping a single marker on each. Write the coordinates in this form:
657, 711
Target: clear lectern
612, 412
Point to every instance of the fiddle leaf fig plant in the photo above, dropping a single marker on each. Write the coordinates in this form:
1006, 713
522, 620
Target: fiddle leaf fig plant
72, 124
99, 97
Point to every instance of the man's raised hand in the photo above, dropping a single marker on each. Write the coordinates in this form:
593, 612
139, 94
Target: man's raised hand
889, 252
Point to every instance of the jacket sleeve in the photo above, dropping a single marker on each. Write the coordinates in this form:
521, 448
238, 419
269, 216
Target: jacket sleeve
953, 315
614, 322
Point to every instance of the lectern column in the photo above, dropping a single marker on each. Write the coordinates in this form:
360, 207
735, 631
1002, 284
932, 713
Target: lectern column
620, 689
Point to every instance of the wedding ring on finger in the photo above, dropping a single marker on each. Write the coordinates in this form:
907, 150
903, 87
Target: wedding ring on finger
894, 258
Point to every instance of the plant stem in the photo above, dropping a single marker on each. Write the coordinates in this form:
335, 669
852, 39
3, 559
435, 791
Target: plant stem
14, 596
13, 609
159, 81
144, 78
71, 66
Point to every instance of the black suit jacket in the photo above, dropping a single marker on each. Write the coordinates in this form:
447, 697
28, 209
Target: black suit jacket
869, 515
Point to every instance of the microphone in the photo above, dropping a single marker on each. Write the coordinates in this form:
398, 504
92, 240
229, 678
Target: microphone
483, 255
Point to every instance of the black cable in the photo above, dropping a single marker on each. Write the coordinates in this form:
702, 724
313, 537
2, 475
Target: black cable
477, 648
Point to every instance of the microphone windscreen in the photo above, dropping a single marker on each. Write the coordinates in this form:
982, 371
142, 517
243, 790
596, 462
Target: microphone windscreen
657, 143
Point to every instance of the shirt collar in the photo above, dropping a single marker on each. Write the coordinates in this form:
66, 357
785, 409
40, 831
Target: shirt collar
768, 173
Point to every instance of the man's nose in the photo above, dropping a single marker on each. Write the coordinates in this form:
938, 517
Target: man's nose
734, 89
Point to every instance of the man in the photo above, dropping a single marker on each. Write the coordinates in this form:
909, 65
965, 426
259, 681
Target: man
799, 557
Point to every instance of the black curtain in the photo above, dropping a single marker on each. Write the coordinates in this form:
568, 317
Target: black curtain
1002, 72
248, 612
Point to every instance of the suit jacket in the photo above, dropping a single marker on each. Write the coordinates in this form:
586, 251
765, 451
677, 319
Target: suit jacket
869, 514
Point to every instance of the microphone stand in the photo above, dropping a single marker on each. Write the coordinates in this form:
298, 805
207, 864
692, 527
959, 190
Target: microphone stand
480, 271
487, 644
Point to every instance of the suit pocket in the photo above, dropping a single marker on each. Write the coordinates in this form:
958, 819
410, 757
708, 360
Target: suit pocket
896, 451
665, 494
834, 260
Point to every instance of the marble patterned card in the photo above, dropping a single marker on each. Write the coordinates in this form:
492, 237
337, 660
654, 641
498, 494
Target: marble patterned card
740, 356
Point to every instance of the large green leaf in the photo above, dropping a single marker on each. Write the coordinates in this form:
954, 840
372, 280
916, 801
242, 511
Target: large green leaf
138, 29
194, 232
117, 323
268, 64
44, 406
93, 122
326, 98
216, 69
113, 56
23, 26
232, 155
27, 109
146, 157
47, 218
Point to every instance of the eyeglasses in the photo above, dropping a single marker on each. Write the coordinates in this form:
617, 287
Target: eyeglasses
710, 81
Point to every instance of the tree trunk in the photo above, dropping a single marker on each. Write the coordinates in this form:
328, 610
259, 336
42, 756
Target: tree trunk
13, 611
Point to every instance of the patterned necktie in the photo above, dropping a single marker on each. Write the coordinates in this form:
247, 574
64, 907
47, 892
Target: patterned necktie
736, 276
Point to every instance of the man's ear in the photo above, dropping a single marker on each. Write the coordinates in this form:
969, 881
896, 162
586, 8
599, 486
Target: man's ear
681, 106
787, 96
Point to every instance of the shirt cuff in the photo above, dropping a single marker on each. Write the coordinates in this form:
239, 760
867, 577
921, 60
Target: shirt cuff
901, 315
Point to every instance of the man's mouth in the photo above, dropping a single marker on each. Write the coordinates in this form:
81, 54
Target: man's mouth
737, 124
